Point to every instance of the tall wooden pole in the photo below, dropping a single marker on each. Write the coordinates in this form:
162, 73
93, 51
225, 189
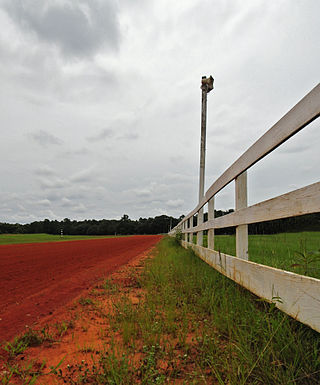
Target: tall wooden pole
206, 87
203, 140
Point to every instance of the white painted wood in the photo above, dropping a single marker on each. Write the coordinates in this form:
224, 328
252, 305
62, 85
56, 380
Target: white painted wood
299, 294
191, 232
241, 189
200, 233
211, 217
241, 195
302, 201
242, 242
298, 117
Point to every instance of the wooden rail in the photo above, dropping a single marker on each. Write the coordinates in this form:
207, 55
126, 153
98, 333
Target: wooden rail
300, 295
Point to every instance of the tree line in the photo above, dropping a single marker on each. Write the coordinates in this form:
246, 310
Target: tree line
157, 225
124, 226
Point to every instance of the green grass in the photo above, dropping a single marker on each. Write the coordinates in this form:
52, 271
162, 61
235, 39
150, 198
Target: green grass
197, 327
6, 239
237, 338
21, 343
296, 252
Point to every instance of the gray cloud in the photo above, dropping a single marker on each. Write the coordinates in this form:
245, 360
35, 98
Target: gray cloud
130, 136
53, 183
75, 195
84, 175
53, 196
177, 178
44, 171
295, 149
174, 203
79, 209
65, 202
44, 202
116, 85
77, 152
45, 138
76, 28
143, 193
109, 133
106, 133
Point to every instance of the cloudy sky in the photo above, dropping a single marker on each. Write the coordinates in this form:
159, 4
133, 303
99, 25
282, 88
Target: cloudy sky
100, 102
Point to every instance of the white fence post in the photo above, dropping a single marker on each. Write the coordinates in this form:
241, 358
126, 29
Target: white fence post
200, 233
210, 217
241, 230
191, 234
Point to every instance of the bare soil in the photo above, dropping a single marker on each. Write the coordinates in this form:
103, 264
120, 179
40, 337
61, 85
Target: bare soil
39, 279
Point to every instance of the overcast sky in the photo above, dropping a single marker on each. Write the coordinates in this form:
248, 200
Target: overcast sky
100, 102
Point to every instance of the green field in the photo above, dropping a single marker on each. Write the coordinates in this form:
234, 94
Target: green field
296, 252
6, 239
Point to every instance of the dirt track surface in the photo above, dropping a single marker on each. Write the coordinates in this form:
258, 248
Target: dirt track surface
38, 278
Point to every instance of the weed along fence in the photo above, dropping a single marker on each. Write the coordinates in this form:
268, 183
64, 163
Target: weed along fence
296, 295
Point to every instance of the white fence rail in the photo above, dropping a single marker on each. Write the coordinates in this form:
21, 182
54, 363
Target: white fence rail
300, 295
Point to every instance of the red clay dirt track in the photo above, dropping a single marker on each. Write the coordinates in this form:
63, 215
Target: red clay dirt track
39, 278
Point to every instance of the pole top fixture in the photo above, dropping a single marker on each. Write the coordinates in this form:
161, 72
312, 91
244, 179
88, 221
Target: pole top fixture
207, 83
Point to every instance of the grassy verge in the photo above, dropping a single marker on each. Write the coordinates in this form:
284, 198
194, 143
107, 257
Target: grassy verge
296, 252
236, 337
195, 326
6, 239
181, 322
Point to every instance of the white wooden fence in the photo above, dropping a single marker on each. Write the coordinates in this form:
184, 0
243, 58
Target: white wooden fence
300, 295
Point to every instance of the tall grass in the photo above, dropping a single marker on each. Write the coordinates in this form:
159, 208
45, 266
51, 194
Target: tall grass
240, 339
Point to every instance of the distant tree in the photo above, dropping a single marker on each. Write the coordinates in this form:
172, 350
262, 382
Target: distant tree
66, 226
93, 230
